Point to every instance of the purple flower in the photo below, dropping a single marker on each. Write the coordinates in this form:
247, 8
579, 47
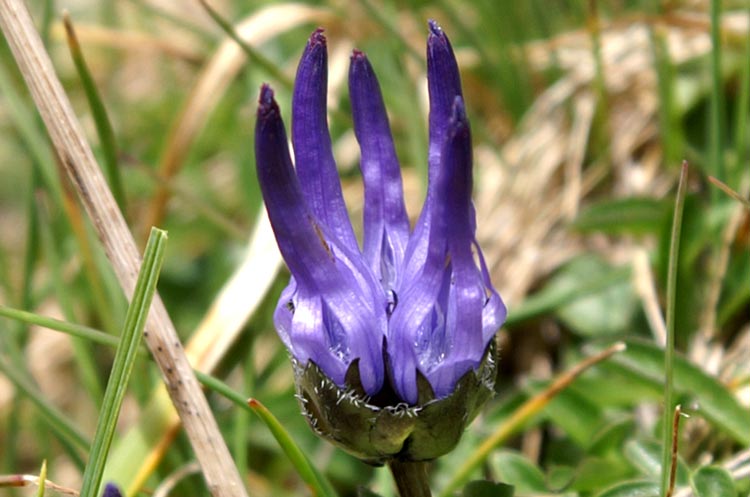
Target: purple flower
111, 490
407, 305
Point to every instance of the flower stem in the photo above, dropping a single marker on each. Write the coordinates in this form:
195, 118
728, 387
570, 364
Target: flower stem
411, 478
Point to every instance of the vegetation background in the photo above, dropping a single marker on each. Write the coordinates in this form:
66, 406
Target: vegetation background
582, 113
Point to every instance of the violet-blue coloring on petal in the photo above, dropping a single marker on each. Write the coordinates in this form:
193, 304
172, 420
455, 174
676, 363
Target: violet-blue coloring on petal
406, 304
111, 490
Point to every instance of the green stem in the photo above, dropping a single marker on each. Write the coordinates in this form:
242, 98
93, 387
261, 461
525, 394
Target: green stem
411, 478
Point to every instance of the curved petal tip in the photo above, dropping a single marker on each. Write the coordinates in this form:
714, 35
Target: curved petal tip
435, 28
266, 103
317, 37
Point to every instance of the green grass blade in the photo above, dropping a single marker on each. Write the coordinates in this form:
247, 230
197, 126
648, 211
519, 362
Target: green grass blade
99, 112
71, 329
241, 421
54, 418
42, 479
135, 321
743, 106
674, 251
84, 358
717, 97
252, 54
379, 15
31, 135
309, 474
670, 130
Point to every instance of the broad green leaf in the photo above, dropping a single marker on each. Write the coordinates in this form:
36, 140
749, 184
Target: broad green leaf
594, 473
483, 488
632, 215
575, 414
514, 469
611, 438
715, 402
552, 298
610, 386
559, 478
606, 312
366, 492
638, 488
646, 457
713, 481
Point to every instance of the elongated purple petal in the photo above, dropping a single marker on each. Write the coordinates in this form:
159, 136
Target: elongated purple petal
444, 85
335, 310
386, 225
443, 323
313, 154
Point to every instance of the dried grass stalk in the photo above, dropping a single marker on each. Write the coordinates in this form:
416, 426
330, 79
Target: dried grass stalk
78, 160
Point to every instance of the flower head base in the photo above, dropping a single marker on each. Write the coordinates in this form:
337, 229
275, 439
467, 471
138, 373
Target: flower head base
405, 323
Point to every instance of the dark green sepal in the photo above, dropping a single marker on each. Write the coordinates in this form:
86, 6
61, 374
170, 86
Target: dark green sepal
376, 431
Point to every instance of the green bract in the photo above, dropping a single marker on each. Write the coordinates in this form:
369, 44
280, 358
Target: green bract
375, 434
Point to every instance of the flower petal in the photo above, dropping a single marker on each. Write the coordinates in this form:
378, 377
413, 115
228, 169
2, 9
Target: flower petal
111, 490
313, 155
444, 85
449, 312
386, 225
333, 311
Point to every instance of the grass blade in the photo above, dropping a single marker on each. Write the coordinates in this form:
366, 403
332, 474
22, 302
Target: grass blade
135, 321
72, 329
56, 420
42, 479
717, 96
252, 54
99, 112
674, 250
309, 474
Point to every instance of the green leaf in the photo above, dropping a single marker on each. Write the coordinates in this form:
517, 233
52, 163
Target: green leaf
632, 215
611, 438
552, 298
715, 402
632, 489
646, 457
514, 469
559, 478
713, 481
606, 312
594, 473
366, 492
575, 414
483, 488
130, 339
